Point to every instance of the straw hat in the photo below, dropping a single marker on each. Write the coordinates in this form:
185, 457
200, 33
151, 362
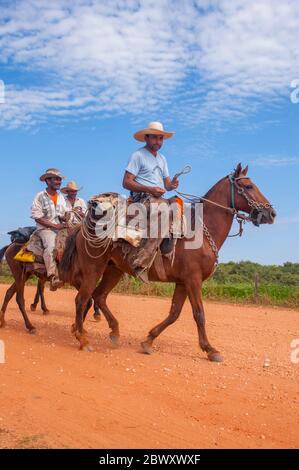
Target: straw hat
51, 173
71, 186
154, 128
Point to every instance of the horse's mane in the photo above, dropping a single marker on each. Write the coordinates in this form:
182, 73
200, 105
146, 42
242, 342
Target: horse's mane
212, 189
68, 256
207, 196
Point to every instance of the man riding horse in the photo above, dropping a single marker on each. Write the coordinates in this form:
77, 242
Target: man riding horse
73, 202
147, 177
48, 210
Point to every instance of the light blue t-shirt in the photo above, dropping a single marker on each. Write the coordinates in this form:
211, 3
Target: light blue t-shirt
148, 169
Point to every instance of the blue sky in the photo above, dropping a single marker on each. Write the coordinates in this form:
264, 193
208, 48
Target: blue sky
81, 77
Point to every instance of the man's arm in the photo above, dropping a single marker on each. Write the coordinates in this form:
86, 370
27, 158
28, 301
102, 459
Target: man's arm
37, 214
132, 185
168, 183
171, 184
46, 223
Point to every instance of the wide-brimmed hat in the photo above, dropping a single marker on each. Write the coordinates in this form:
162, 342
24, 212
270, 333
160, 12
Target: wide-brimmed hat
154, 128
71, 186
51, 173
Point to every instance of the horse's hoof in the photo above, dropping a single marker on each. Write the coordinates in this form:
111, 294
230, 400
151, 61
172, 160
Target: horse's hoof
97, 317
146, 348
114, 338
2, 323
88, 348
215, 357
46, 312
33, 308
32, 330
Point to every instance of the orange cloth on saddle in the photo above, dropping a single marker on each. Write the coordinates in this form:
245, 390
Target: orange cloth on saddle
180, 204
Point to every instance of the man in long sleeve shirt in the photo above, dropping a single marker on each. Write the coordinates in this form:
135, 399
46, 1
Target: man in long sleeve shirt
48, 210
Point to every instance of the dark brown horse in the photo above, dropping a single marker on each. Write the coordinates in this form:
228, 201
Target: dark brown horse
17, 287
18, 271
84, 261
13, 289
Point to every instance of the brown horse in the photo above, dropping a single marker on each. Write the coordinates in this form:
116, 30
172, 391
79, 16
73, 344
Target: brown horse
85, 261
17, 269
13, 289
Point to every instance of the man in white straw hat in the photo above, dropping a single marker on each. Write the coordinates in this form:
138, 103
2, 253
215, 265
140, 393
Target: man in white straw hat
147, 170
147, 173
73, 202
48, 210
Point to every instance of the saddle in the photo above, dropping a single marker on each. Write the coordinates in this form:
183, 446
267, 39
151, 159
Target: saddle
123, 229
31, 253
21, 235
134, 237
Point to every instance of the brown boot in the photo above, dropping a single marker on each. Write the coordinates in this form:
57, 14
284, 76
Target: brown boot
55, 283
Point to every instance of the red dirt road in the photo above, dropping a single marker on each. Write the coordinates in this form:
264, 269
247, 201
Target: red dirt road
52, 395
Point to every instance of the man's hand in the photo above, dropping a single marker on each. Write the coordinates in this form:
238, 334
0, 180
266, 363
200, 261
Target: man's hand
174, 183
171, 184
156, 191
47, 224
60, 226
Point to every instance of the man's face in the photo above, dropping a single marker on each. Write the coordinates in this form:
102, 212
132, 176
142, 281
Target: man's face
54, 183
154, 142
72, 194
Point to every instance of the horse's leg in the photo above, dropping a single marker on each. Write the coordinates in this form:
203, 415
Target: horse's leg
194, 287
8, 296
88, 307
97, 312
42, 283
110, 279
21, 302
178, 301
82, 300
36, 298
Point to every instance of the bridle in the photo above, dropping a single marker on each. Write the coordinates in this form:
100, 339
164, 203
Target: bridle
255, 206
255, 216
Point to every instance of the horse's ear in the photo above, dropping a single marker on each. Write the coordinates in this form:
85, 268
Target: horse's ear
245, 170
238, 170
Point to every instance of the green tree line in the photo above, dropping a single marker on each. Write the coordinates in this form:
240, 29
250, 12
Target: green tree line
244, 272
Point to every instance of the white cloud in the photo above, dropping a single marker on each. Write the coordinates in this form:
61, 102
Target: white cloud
277, 161
197, 61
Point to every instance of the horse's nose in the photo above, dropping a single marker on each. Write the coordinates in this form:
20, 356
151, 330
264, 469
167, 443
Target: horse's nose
273, 214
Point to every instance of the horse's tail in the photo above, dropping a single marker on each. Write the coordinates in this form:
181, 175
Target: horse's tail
68, 257
3, 251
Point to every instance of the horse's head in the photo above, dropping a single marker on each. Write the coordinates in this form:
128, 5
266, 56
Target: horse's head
102, 205
247, 197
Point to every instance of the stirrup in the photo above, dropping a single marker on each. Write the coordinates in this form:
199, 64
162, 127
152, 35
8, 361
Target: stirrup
55, 283
142, 274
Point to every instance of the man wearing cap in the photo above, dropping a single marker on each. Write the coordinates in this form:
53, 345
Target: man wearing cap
147, 174
48, 210
74, 203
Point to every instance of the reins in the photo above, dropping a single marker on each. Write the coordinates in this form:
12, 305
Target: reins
240, 218
92, 239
